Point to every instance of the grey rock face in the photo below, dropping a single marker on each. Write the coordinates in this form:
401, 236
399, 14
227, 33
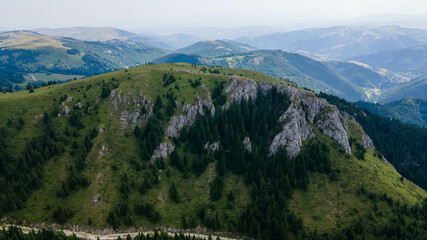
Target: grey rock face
247, 144
367, 141
162, 151
177, 123
69, 99
131, 118
295, 120
332, 124
212, 147
239, 89
295, 131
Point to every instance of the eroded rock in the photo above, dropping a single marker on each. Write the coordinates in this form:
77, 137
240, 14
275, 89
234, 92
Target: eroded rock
177, 123
212, 147
305, 108
295, 131
162, 151
367, 141
247, 144
142, 108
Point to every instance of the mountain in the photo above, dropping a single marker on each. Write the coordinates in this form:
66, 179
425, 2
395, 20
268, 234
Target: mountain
345, 79
407, 60
212, 48
102, 34
340, 42
88, 33
24, 52
216, 150
302, 70
407, 110
416, 88
179, 40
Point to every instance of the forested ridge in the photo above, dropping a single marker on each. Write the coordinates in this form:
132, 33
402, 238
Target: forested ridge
220, 164
403, 145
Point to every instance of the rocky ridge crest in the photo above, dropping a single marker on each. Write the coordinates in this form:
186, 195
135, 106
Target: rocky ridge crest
304, 110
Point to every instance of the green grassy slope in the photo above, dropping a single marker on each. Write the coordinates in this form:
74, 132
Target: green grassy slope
328, 205
115, 152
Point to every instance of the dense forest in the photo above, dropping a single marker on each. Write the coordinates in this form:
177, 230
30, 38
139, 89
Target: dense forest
403, 145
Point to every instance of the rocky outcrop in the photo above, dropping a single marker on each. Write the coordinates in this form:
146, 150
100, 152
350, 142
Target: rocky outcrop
66, 111
78, 105
332, 124
177, 123
367, 141
247, 144
239, 88
295, 131
212, 147
122, 102
305, 108
162, 151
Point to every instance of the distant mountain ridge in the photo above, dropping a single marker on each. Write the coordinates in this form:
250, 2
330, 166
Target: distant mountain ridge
211, 48
169, 42
102, 34
341, 42
25, 52
406, 60
345, 79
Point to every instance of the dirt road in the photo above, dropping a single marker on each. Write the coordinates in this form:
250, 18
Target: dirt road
90, 236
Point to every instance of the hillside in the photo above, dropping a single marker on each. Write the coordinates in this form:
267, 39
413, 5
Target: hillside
340, 42
407, 110
24, 53
212, 48
204, 149
416, 88
347, 80
407, 60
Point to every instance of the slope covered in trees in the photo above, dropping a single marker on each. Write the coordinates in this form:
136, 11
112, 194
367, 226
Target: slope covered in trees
90, 152
403, 145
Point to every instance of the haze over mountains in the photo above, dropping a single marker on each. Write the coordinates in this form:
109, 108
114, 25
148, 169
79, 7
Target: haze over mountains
340, 42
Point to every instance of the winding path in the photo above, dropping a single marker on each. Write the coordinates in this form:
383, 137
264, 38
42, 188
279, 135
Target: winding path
90, 236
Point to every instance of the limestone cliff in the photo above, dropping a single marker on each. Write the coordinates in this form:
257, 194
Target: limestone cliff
304, 110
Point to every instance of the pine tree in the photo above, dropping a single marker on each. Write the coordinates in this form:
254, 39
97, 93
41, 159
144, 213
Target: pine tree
173, 193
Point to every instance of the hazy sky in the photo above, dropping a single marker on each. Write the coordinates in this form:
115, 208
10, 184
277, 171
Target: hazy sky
143, 14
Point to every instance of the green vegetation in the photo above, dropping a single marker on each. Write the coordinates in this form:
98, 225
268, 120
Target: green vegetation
24, 54
403, 145
413, 111
73, 159
302, 70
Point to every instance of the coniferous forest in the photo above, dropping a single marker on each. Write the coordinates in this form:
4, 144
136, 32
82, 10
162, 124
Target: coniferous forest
214, 144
